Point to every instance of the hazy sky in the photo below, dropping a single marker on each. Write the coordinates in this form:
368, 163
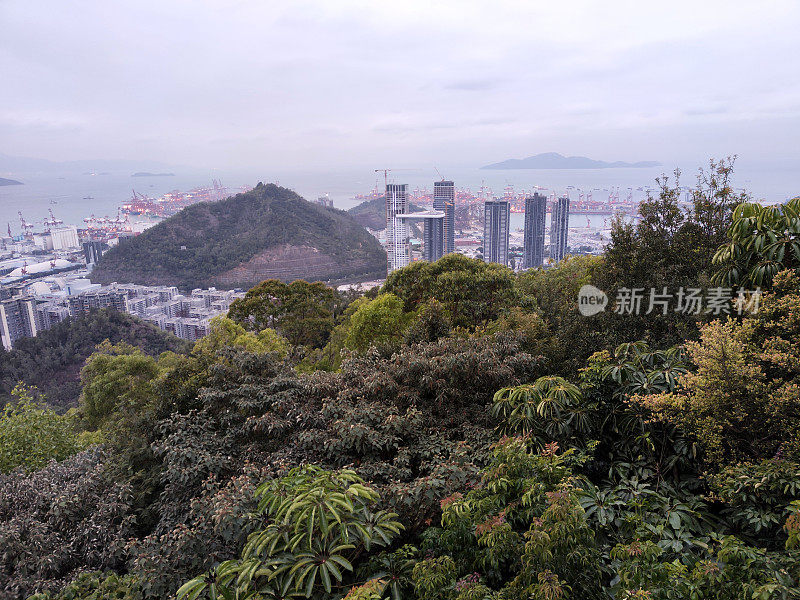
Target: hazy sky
345, 83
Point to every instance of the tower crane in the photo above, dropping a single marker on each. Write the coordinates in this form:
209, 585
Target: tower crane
26, 227
386, 174
52, 221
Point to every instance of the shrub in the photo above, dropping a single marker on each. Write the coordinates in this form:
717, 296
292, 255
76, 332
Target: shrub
59, 521
32, 435
315, 525
97, 586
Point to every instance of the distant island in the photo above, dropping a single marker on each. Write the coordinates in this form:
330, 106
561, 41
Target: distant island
146, 174
553, 160
10, 182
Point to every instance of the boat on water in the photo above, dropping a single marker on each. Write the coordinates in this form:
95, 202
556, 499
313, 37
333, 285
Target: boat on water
88, 197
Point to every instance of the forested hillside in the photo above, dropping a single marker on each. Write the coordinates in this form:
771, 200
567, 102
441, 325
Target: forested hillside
268, 232
52, 361
462, 433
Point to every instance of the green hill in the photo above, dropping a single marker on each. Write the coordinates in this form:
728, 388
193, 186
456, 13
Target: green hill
52, 361
268, 232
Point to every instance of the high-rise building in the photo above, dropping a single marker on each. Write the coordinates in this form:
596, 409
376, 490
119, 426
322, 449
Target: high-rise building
17, 320
533, 244
432, 231
433, 239
398, 245
444, 200
559, 228
92, 251
496, 217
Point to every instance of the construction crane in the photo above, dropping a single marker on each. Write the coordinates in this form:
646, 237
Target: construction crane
219, 189
52, 221
26, 227
386, 174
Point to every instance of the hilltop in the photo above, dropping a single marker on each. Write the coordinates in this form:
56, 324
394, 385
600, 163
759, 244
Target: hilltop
553, 160
9, 182
268, 232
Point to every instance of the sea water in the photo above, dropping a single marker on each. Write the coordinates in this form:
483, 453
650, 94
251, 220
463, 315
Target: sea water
75, 196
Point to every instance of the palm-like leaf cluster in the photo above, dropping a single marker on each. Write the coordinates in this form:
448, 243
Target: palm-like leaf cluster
316, 524
763, 240
545, 408
638, 370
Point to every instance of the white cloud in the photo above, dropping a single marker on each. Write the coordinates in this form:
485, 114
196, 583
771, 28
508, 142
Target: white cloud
240, 83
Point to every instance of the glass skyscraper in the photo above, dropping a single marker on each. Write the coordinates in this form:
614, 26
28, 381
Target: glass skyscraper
444, 200
496, 217
433, 239
533, 244
559, 228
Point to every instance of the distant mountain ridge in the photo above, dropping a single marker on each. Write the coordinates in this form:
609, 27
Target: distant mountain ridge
268, 232
553, 160
4, 181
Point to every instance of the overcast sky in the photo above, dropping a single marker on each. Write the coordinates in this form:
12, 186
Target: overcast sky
339, 83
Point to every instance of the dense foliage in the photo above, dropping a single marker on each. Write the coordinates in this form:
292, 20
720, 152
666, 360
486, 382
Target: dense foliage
460, 434
471, 292
220, 243
32, 435
52, 360
59, 521
316, 524
302, 312
741, 401
764, 240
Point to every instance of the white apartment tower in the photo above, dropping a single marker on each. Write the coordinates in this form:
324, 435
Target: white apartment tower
398, 245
